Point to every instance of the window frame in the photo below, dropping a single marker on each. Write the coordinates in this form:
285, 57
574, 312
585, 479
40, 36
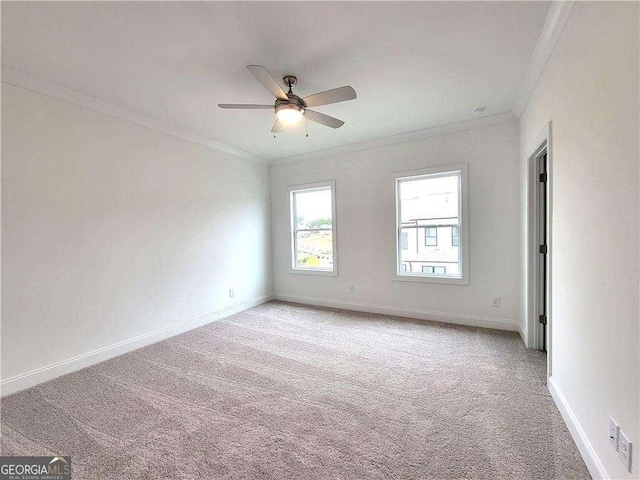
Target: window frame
463, 230
457, 235
291, 191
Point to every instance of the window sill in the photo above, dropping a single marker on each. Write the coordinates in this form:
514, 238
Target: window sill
441, 280
321, 273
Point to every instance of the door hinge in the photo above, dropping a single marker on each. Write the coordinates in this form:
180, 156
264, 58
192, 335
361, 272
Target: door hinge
544, 249
544, 177
543, 319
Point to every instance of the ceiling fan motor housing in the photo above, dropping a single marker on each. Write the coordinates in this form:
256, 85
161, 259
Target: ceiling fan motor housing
294, 102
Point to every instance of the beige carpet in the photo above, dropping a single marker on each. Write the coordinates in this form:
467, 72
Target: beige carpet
283, 391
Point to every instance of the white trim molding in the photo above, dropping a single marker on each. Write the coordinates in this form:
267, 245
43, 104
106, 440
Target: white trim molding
441, 317
462, 126
49, 372
463, 207
588, 453
559, 13
19, 79
523, 334
26, 81
531, 240
292, 191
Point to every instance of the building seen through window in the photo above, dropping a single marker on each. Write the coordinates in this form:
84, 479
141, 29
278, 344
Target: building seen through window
429, 225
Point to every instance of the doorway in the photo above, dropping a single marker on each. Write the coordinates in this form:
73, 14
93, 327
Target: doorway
542, 274
539, 242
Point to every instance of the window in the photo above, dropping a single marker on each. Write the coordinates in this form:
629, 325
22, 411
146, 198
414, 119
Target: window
455, 237
431, 236
313, 234
432, 201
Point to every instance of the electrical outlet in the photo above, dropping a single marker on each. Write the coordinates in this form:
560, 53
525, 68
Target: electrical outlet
624, 451
351, 289
614, 430
495, 302
232, 293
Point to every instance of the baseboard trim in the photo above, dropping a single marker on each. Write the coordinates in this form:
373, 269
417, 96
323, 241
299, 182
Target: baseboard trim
523, 335
49, 372
588, 453
458, 319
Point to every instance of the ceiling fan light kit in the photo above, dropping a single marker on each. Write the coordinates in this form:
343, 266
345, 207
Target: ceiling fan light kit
289, 108
289, 114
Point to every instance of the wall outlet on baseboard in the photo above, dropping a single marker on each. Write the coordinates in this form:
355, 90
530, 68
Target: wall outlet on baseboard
495, 302
232, 293
624, 451
614, 430
351, 289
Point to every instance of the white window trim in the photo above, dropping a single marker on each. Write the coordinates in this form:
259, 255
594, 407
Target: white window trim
463, 230
334, 227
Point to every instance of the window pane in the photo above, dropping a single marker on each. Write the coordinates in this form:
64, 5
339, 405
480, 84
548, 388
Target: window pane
428, 204
312, 229
430, 199
418, 255
313, 209
431, 236
314, 249
455, 236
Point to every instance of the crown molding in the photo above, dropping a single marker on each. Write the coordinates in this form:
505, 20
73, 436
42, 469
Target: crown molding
401, 138
22, 80
559, 13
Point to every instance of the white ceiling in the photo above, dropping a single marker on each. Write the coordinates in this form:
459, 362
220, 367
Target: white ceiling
414, 65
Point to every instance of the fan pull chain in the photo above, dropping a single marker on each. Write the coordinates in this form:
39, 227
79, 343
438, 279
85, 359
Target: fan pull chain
306, 128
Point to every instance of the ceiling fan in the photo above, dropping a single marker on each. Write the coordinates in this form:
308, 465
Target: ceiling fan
289, 107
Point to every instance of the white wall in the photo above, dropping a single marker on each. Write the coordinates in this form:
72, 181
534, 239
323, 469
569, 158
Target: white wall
366, 229
111, 230
589, 91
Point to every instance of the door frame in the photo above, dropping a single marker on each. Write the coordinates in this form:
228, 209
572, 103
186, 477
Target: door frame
542, 143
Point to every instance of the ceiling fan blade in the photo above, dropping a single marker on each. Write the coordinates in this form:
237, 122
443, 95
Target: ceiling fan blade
323, 119
278, 126
330, 96
246, 106
266, 79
